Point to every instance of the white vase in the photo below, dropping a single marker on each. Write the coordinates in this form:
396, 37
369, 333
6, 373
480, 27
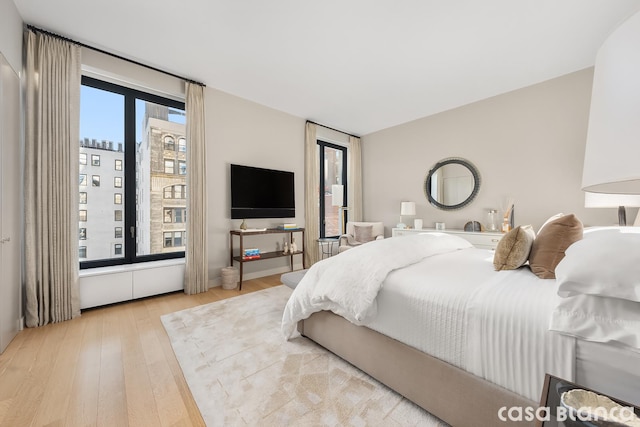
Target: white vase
294, 247
285, 248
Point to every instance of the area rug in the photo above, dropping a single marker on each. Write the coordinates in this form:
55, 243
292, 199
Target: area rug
242, 372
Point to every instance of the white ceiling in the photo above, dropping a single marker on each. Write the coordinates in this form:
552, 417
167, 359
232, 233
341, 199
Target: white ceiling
356, 65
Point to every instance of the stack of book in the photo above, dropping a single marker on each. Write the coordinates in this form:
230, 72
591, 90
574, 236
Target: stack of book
251, 254
288, 227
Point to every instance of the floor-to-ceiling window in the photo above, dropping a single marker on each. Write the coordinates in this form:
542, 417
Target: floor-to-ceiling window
333, 188
132, 198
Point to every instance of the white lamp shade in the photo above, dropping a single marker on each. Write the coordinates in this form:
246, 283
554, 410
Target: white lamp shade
407, 208
337, 195
612, 153
602, 200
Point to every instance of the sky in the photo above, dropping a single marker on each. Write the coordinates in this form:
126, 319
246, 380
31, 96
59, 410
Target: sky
102, 115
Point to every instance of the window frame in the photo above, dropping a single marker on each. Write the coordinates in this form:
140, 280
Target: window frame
321, 146
129, 168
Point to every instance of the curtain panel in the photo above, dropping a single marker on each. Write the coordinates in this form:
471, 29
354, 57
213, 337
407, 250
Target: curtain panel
196, 268
52, 116
355, 179
311, 196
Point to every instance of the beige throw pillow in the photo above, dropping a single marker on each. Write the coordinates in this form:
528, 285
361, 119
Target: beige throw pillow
363, 233
549, 246
514, 248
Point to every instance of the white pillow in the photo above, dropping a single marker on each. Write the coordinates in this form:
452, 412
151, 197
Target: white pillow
604, 264
599, 319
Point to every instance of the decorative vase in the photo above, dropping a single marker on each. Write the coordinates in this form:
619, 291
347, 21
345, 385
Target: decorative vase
243, 226
294, 247
285, 248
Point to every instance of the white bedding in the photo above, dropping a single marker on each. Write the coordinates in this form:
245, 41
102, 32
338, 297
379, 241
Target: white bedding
348, 284
448, 303
455, 307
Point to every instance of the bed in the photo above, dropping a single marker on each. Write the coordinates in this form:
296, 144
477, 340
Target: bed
444, 329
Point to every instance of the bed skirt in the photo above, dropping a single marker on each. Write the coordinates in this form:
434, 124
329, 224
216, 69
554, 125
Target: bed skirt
450, 393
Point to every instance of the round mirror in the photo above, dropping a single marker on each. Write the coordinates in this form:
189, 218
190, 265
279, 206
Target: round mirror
452, 183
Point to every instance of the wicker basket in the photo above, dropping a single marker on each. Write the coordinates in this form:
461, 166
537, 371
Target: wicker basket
229, 277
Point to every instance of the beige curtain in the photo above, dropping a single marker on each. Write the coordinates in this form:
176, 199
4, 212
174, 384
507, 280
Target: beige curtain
196, 270
355, 179
51, 167
311, 196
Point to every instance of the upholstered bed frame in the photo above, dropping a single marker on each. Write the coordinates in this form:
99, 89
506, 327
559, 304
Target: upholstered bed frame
453, 395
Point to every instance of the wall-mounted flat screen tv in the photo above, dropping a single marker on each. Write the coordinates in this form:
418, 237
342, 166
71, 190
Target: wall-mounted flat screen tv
261, 193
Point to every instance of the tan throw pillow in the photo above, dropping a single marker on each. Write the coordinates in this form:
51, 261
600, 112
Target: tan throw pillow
363, 233
514, 248
549, 246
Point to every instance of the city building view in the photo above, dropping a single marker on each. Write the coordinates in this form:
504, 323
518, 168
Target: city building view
160, 197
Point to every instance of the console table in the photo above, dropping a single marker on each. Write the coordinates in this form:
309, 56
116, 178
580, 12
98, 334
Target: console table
479, 239
242, 234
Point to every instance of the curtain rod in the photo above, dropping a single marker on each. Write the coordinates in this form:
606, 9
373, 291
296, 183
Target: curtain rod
49, 33
337, 130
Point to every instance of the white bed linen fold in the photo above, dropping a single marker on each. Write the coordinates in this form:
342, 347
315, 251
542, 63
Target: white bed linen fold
348, 283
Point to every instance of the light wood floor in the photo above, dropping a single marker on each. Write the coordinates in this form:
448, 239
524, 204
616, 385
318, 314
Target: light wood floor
113, 366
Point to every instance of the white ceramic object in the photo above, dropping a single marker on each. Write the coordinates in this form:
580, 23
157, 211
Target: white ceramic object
599, 409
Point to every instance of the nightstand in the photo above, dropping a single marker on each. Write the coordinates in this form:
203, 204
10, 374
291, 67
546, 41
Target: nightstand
479, 239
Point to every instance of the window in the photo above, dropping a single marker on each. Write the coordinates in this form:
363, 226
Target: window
83, 180
168, 215
83, 158
82, 252
175, 215
82, 216
175, 192
169, 143
174, 239
82, 235
333, 179
180, 215
83, 198
141, 134
169, 166
182, 145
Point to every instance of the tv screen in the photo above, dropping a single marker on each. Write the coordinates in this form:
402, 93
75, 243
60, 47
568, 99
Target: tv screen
261, 193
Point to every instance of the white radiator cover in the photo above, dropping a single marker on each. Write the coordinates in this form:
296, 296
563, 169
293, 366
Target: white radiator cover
108, 285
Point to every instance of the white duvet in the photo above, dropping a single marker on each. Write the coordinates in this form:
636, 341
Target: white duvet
450, 304
348, 283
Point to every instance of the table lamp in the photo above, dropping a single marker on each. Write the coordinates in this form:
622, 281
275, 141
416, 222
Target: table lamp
406, 209
604, 200
612, 152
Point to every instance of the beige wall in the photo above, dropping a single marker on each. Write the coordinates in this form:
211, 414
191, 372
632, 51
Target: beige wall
11, 34
527, 144
243, 132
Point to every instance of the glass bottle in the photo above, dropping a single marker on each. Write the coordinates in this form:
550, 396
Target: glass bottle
506, 225
492, 220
